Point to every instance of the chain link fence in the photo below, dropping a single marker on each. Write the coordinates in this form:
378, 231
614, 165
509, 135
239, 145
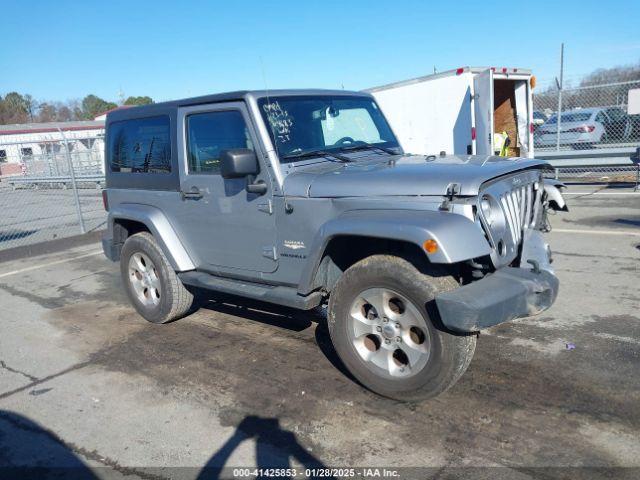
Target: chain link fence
592, 117
50, 187
599, 174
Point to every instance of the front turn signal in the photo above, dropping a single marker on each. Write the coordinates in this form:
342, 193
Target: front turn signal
430, 246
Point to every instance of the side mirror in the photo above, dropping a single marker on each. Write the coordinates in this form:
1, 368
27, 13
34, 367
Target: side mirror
238, 163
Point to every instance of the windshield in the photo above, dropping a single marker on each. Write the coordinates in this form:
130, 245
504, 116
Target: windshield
324, 123
571, 117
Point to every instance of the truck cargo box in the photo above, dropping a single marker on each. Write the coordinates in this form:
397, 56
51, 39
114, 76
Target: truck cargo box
460, 111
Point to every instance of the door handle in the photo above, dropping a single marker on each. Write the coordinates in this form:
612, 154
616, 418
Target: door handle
194, 194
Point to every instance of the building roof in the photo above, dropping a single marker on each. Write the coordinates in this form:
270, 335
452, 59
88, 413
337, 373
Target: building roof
102, 115
48, 127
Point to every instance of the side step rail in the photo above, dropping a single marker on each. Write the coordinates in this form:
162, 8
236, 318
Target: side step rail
280, 295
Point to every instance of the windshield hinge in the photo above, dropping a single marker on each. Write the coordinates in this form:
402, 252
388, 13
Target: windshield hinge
453, 189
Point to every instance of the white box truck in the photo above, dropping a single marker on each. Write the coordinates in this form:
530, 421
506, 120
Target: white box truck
461, 111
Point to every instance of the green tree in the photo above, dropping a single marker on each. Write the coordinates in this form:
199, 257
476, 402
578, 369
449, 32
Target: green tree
92, 106
47, 112
30, 105
64, 113
15, 108
138, 101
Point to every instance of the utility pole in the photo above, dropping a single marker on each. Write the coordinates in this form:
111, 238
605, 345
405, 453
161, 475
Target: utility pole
560, 86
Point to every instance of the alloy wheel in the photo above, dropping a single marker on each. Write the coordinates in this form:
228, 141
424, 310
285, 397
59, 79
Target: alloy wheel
389, 333
144, 279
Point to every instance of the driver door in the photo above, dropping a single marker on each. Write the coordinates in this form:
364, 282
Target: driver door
223, 226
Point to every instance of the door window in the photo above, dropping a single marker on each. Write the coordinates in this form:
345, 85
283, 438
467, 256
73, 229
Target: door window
210, 133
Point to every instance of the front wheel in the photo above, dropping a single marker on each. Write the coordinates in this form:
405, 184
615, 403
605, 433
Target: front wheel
383, 325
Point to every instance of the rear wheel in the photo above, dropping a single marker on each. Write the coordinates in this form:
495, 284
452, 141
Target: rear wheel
152, 285
385, 329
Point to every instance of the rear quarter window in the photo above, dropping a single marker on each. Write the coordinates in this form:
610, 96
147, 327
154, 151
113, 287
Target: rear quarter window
141, 145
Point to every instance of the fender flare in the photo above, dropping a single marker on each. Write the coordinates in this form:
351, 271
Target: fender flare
160, 228
458, 237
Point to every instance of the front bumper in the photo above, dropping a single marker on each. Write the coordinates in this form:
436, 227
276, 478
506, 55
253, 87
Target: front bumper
504, 295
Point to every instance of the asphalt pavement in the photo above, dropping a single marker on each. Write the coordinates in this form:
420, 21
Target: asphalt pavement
86, 382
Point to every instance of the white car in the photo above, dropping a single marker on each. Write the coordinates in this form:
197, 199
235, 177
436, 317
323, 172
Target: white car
584, 127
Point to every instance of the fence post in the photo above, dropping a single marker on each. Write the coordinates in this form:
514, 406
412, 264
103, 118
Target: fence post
73, 181
560, 85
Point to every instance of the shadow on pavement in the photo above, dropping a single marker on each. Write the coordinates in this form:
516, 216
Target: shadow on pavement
269, 314
28, 450
275, 448
15, 235
277, 316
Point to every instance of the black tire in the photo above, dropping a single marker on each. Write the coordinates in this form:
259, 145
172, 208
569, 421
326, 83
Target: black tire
450, 353
175, 300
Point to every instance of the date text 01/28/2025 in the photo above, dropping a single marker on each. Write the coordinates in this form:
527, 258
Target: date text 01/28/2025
320, 472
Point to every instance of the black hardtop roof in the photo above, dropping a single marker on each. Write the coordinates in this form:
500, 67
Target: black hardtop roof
240, 95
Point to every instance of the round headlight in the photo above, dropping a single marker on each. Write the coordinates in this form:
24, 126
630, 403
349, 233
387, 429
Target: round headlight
485, 206
493, 215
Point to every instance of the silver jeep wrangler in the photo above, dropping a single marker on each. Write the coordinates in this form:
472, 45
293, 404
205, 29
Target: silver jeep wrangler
304, 197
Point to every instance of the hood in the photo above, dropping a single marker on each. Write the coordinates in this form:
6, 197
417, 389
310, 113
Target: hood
401, 175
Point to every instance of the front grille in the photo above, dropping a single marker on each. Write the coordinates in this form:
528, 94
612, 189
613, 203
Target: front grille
520, 206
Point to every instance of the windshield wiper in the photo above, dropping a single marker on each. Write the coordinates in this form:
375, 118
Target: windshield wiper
319, 153
362, 145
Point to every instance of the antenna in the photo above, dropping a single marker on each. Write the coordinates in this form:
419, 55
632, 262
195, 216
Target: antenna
264, 76
266, 89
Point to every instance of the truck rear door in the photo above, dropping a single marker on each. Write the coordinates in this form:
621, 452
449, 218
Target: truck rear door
483, 111
522, 93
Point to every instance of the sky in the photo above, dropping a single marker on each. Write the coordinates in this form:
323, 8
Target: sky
60, 50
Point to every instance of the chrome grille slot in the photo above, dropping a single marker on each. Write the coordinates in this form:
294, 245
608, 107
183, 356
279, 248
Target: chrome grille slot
517, 203
518, 206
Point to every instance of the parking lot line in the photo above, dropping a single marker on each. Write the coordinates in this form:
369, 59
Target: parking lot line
597, 232
49, 264
600, 193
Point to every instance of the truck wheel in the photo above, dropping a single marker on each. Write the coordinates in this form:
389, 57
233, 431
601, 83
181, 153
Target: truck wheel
382, 325
152, 285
